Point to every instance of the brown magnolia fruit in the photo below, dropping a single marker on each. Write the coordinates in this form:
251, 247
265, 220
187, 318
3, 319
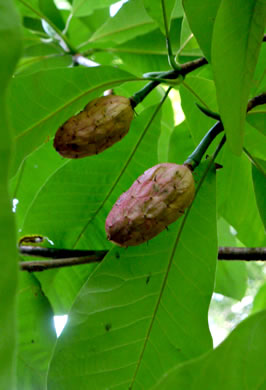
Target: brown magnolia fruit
155, 200
102, 123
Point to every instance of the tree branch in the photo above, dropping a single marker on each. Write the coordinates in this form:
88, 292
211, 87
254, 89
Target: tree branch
70, 257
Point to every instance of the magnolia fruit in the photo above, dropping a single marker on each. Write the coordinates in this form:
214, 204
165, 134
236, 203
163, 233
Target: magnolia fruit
155, 200
102, 123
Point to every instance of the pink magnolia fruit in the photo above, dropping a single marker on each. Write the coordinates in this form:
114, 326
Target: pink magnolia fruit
102, 123
155, 200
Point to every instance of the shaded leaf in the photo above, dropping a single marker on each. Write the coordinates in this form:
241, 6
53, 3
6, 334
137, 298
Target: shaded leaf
36, 334
240, 356
237, 38
136, 312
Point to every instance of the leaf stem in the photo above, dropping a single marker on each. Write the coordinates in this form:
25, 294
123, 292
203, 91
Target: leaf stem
171, 75
195, 158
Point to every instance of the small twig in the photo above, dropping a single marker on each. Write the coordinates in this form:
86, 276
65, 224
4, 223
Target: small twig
77, 257
246, 254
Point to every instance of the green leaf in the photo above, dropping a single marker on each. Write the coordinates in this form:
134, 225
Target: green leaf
257, 118
130, 21
259, 302
201, 17
143, 309
85, 191
40, 102
231, 276
84, 8
237, 364
36, 334
237, 38
10, 49
259, 181
49, 9
155, 10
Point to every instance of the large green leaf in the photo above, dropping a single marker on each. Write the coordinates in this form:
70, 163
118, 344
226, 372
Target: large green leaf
10, 49
201, 17
237, 38
72, 205
237, 364
144, 309
41, 102
36, 334
130, 21
155, 10
259, 181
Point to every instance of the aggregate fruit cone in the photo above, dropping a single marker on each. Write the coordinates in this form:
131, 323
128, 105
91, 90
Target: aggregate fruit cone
102, 123
155, 200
